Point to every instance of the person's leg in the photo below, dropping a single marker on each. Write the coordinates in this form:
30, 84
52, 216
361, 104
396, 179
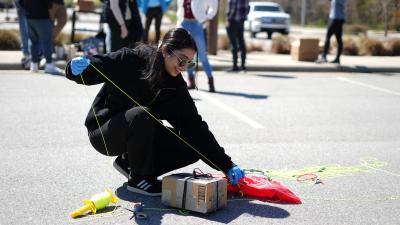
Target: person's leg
23, 30
171, 152
198, 36
189, 27
147, 23
242, 44
329, 33
58, 13
35, 44
115, 34
135, 31
44, 30
338, 35
131, 131
108, 37
159, 15
231, 31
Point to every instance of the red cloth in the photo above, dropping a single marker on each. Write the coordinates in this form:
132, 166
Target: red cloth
265, 190
187, 8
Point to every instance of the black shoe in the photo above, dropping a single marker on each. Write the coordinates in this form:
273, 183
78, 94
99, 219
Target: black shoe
321, 60
233, 70
243, 68
144, 185
122, 165
26, 62
337, 61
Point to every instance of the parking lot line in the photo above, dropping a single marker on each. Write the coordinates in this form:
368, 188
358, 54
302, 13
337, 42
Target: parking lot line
231, 110
369, 86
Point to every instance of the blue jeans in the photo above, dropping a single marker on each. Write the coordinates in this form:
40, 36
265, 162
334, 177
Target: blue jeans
41, 35
196, 30
23, 29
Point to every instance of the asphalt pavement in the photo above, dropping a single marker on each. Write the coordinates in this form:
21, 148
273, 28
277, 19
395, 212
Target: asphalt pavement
344, 124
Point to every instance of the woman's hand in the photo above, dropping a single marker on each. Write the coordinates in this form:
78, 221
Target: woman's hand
234, 174
79, 64
124, 31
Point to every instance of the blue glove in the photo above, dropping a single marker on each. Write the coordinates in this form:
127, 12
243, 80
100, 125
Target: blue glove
79, 64
234, 174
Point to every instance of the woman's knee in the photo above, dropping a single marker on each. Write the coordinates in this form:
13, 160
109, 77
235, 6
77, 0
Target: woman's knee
140, 117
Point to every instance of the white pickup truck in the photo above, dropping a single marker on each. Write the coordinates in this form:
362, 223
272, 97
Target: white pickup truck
267, 17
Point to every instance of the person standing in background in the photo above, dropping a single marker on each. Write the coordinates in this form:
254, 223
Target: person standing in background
337, 17
23, 32
124, 23
40, 31
237, 11
191, 14
153, 9
58, 14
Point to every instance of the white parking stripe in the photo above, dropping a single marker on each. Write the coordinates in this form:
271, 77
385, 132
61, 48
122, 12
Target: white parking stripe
369, 86
231, 110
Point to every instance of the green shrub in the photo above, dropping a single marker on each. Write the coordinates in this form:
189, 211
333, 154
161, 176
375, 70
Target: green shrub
9, 39
280, 44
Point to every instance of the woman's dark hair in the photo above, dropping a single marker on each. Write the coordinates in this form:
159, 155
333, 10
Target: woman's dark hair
174, 39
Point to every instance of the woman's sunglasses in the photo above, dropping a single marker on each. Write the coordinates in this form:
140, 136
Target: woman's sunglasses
188, 64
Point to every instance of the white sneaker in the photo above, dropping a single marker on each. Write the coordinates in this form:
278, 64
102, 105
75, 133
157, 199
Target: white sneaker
42, 63
52, 69
34, 67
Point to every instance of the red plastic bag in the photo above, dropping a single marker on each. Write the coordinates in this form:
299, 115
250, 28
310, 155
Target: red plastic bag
264, 190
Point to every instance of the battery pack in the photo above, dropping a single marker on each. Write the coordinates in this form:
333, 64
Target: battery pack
200, 194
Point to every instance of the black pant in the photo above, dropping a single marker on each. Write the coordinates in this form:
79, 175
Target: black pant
334, 27
135, 33
235, 32
152, 149
156, 14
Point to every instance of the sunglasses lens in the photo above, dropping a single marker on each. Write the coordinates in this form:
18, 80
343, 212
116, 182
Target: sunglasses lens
182, 63
191, 65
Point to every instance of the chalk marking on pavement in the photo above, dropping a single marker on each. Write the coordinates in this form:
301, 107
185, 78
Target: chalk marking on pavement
231, 110
369, 86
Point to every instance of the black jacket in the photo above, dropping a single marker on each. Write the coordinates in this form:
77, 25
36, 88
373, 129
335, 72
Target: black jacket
172, 103
108, 15
36, 9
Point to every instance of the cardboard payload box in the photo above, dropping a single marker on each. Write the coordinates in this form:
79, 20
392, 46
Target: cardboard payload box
305, 49
85, 5
196, 194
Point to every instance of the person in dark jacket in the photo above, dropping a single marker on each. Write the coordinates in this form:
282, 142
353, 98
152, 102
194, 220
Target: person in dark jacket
124, 23
130, 127
236, 15
40, 30
337, 17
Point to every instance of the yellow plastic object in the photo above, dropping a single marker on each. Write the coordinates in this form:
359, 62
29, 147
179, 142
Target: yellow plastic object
98, 201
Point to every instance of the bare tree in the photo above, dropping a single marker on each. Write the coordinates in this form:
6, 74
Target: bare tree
385, 7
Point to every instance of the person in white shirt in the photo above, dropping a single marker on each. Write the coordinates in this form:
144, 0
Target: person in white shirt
191, 14
124, 23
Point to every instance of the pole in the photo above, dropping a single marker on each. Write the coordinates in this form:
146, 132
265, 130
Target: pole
212, 34
303, 12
